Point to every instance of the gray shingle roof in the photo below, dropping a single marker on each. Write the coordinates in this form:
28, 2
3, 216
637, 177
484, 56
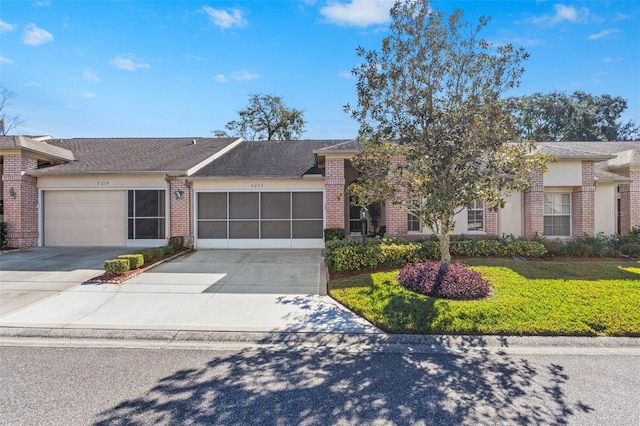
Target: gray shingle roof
586, 150
269, 159
122, 155
351, 145
37, 145
630, 157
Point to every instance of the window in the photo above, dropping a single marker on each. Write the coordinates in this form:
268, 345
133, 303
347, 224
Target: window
475, 217
146, 215
413, 223
557, 214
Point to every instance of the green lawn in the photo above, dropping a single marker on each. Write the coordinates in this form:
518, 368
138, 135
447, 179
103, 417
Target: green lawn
530, 298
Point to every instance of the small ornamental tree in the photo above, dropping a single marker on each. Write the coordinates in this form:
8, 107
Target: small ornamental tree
437, 135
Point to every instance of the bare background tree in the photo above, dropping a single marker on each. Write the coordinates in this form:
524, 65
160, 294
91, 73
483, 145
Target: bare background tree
7, 122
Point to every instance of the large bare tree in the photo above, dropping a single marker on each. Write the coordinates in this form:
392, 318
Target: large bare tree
437, 135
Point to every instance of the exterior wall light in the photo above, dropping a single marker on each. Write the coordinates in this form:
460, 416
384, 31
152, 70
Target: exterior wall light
12, 193
179, 194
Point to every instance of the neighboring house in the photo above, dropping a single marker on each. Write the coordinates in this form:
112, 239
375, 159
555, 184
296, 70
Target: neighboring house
229, 193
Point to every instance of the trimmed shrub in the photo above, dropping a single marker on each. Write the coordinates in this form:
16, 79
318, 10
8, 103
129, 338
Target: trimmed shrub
429, 249
459, 283
588, 246
525, 248
348, 258
177, 243
491, 247
135, 260
3, 234
116, 266
462, 248
148, 254
627, 244
334, 234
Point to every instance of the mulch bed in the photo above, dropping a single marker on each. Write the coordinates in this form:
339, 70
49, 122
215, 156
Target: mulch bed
120, 278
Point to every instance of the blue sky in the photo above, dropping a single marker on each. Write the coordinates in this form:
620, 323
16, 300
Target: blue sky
184, 68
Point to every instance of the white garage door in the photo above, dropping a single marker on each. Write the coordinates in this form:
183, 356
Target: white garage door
260, 219
84, 218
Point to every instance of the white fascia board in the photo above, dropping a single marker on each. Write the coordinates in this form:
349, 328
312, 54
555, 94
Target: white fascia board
214, 157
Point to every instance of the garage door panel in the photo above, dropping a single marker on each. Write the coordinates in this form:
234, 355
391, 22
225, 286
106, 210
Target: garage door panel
84, 218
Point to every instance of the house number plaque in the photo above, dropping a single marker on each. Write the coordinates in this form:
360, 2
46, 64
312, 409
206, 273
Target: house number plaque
103, 183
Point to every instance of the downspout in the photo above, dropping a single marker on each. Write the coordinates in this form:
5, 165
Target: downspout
168, 206
188, 185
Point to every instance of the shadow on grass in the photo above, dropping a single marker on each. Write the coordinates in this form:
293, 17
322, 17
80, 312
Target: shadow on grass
321, 386
590, 270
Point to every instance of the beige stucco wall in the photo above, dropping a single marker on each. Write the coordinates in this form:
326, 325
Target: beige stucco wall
510, 218
258, 184
564, 173
605, 208
102, 181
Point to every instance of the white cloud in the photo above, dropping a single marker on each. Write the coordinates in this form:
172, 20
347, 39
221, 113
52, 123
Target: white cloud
128, 62
225, 18
32, 84
562, 13
220, 78
90, 74
244, 75
44, 3
603, 34
89, 95
358, 13
4, 60
34, 36
5, 27
612, 59
345, 74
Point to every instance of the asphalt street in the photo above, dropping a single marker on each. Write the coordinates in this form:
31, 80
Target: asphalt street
64, 382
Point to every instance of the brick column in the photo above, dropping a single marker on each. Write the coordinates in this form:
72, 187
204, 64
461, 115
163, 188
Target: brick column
397, 220
583, 202
20, 198
179, 209
334, 192
630, 202
490, 221
534, 207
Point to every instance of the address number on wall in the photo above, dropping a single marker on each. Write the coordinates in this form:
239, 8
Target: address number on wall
257, 185
103, 183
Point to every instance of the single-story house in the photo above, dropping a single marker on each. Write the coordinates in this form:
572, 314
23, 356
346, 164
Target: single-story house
230, 193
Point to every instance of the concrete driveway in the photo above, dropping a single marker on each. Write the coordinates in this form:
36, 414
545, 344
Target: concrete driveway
27, 276
217, 290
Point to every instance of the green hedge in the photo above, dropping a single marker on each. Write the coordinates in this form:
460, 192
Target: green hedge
135, 260
334, 234
353, 255
116, 266
3, 234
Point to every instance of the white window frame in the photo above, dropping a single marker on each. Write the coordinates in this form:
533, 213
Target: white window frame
555, 206
474, 208
409, 221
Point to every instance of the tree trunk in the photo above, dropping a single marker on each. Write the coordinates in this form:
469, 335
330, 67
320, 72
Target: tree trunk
445, 255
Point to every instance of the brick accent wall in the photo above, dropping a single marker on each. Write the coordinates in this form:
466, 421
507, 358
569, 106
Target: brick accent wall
490, 221
180, 210
583, 202
20, 198
397, 220
630, 201
534, 207
334, 191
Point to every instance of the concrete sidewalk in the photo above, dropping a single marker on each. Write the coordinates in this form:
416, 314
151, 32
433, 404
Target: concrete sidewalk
239, 290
